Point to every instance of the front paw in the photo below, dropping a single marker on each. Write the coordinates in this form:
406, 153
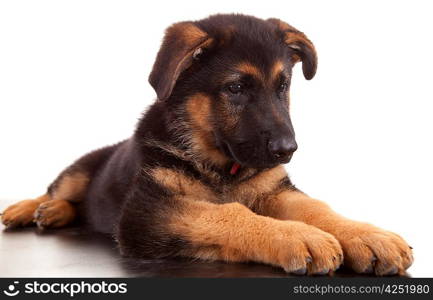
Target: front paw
19, 214
368, 249
303, 249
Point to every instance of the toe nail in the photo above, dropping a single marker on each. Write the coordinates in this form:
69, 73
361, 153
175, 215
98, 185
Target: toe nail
323, 272
309, 259
10, 225
369, 269
392, 271
301, 271
410, 247
374, 258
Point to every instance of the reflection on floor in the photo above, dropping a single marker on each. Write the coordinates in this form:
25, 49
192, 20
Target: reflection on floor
74, 252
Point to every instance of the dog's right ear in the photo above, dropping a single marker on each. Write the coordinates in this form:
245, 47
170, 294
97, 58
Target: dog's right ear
183, 42
303, 48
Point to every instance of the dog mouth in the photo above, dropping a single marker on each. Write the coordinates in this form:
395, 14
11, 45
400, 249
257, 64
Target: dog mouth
246, 154
228, 150
250, 158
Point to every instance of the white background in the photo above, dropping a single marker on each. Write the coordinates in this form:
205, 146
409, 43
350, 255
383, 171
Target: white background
73, 77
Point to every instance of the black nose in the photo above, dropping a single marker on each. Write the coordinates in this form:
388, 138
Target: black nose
282, 148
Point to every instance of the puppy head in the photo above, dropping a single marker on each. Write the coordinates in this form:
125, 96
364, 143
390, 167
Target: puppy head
232, 75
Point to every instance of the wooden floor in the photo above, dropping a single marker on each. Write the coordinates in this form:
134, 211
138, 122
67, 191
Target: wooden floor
73, 252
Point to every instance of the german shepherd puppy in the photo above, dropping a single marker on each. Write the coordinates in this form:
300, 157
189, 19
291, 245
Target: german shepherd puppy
202, 176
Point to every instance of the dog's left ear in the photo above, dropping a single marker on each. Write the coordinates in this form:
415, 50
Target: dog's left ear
303, 48
183, 42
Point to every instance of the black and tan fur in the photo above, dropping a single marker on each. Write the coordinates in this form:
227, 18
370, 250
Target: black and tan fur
202, 175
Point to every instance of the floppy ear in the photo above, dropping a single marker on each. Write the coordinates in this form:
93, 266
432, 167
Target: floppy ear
303, 48
182, 43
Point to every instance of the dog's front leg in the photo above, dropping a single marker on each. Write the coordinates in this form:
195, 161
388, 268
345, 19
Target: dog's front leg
228, 232
367, 249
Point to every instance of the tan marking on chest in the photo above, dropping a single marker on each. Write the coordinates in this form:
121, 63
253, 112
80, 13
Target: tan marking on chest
260, 185
246, 192
179, 183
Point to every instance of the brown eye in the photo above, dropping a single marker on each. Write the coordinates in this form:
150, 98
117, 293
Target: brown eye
235, 88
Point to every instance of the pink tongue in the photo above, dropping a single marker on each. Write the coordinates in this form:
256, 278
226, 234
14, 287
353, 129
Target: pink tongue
235, 168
